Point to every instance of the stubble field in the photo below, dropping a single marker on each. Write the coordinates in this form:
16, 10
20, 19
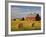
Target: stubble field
25, 25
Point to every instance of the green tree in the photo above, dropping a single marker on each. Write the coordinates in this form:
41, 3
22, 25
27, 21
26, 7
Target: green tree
38, 18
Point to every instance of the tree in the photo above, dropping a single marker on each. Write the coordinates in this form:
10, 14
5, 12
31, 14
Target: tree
14, 19
37, 17
22, 19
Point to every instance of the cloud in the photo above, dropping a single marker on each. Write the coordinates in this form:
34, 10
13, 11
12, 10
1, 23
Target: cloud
19, 12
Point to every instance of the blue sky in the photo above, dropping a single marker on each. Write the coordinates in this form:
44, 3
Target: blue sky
21, 11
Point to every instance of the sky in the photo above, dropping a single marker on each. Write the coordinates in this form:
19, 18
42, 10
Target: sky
21, 11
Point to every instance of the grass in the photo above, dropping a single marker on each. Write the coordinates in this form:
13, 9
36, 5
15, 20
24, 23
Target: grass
27, 25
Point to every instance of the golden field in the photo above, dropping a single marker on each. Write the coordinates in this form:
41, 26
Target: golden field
25, 25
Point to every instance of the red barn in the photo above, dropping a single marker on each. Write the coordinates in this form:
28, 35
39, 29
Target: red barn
31, 18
